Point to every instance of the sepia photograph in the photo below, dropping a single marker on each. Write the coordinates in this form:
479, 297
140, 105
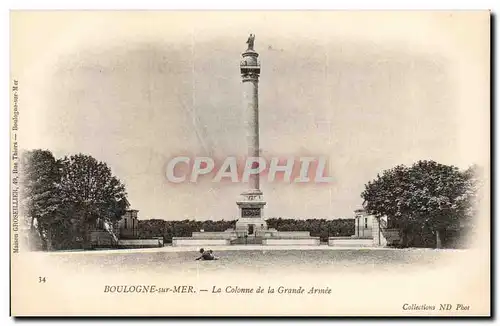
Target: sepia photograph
250, 163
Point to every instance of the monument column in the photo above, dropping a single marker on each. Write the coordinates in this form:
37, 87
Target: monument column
250, 71
251, 204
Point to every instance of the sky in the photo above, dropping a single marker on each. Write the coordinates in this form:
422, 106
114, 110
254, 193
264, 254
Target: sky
135, 90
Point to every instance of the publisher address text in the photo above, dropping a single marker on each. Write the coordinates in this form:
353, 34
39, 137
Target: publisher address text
15, 167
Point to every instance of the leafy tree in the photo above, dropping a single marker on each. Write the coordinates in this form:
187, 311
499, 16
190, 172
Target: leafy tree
89, 191
40, 193
427, 195
474, 185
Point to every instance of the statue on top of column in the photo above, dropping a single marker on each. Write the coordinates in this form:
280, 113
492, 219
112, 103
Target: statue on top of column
250, 41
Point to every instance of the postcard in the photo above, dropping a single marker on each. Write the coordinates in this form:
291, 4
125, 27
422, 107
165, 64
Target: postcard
250, 163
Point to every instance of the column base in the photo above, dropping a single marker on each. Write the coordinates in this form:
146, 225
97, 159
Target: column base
251, 205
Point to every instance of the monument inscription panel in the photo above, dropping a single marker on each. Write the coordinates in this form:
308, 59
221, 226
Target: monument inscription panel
250, 212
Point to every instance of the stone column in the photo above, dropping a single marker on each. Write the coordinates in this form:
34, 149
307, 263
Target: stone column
356, 226
250, 80
376, 231
251, 202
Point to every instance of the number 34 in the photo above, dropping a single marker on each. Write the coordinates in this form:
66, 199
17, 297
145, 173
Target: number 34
41, 279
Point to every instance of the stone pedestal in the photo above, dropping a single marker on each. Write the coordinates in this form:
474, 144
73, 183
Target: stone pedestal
251, 205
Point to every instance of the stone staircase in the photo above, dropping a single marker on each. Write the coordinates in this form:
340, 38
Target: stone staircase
251, 240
